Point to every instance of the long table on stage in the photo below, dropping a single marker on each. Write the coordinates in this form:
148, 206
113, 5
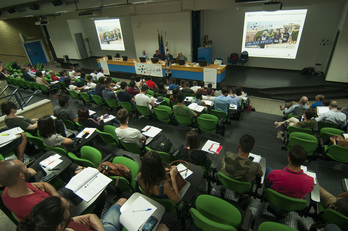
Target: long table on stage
187, 71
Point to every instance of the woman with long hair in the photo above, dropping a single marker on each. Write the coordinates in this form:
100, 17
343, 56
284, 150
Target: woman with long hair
154, 180
86, 121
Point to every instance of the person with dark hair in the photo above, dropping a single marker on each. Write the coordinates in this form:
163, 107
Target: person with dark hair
199, 100
94, 74
173, 98
40, 79
333, 116
131, 88
125, 133
62, 76
292, 181
72, 73
100, 73
181, 109
195, 87
109, 80
86, 121
209, 95
123, 95
108, 93
53, 213
173, 84
11, 120
308, 121
222, 102
161, 89
186, 88
154, 180
157, 55
192, 152
90, 82
234, 99
62, 111
143, 100
239, 166
50, 137
53, 76
70, 86
168, 68
150, 83
100, 87
26, 76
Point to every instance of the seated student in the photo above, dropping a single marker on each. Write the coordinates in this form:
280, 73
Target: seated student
181, 109
198, 100
333, 116
100, 87
18, 146
131, 89
125, 133
94, 74
195, 87
100, 73
240, 93
72, 73
70, 86
339, 140
90, 82
234, 99
329, 201
85, 120
162, 90
192, 152
154, 180
182, 84
53, 76
319, 101
173, 84
123, 95
291, 181
26, 76
222, 102
308, 121
173, 98
109, 80
40, 79
186, 89
62, 111
62, 76
12, 121
108, 93
53, 213
50, 137
143, 100
239, 166
150, 83
289, 108
208, 96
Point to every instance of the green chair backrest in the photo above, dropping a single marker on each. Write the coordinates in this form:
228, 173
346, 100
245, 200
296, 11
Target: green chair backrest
131, 147
307, 141
127, 105
151, 92
111, 103
184, 120
322, 124
213, 213
98, 100
167, 100
338, 153
112, 131
85, 97
36, 86
1, 157
80, 161
273, 226
22, 83
131, 164
333, 217
164, 156
144, 110
108, 138
91, 154
284, 202
29, 85
292, 129
163, 113
234, 185
326, 132
37, 141
168, 204
58, 150
207, 122
79, 126
219, 114
70, 125
44, 88
74, 94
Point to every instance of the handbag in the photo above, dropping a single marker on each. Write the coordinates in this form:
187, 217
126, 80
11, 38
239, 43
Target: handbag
109, 169
180, 182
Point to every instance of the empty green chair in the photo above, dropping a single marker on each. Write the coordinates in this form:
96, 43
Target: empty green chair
322, 124
127, 105
274, 226
36, 86
326, 132
74, 94
80, 161
132, 147
219, 114
331, 216
29, 85
85, 97
283, 202
108, 138
22, 83
123, 183
37, 141
98, 100
111, 103
91, 154
307, 141
183, 120
163, 113
164, 156
214, 214
337, 153
292, 129
70, 125
58, 150
167, 100
150, 92
112, 131
237, 186
210, 123
144, 110
44, 88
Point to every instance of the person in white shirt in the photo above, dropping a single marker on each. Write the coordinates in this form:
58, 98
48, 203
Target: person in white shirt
94, 74
333, 116
70, 86
143, 100
90, 82
72, 72
195, 87
100, 73
208, 96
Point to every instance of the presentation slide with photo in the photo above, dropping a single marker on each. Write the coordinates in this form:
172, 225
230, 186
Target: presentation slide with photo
110, 34
273, 34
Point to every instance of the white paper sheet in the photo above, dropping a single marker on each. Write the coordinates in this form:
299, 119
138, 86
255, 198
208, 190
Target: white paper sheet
108, 118
51, 161
209, 145
151, 132
322, 109
84, 131
257, 158
184, 172
313, 175
196, 107
91, 112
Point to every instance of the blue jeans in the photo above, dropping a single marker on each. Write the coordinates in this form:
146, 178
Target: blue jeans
111, 219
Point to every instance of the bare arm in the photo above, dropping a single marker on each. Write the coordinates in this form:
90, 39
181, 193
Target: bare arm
67, 141
32, 126
91, 221
46, 187
142, 139
172, 192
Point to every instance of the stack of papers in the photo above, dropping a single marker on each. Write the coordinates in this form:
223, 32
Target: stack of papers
54, 82
136, 214
9, 135
212, 147
151, 131
196, 107
257, 158
51, 162
184, 172
313, 175
345, 135
84, 131
208, 102
304, 169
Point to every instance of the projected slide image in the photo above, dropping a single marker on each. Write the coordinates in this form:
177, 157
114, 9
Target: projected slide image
273, 34
109, 34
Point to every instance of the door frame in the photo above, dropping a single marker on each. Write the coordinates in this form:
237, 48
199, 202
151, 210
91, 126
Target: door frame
42, 46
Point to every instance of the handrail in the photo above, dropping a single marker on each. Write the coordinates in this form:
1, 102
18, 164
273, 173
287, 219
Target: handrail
22, 102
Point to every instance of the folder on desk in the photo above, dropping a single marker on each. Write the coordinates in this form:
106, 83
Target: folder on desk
212, 147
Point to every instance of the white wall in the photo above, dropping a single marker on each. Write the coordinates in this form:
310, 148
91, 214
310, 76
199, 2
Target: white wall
225, 28
77, 26
176, 25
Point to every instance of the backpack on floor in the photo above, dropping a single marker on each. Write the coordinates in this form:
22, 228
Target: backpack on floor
160, 143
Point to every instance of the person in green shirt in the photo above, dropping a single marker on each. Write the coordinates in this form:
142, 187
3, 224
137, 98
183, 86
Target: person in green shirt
181, 109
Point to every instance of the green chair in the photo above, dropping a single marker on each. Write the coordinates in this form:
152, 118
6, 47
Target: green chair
167, 100
326, 132
150, 92
123, 183
29, 85
37, 141
111, 103
307, 141
331, 216
283, 202
183, 119
79, 126
132, 147
85, 97
219, 114
163, 113
74, 94
214, 214
128, 106
337, 153
98, 100
234, 185
322, 124
108, 138
44, 88
80, 161
144, 110
273, 226
58, 150
164, 156
292, 129
70, 125
36, 86
91, 154
210, 123
112, 131
22, 83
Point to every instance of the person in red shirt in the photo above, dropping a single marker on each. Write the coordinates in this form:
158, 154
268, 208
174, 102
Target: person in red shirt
150, 83
53, 76
131, 89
